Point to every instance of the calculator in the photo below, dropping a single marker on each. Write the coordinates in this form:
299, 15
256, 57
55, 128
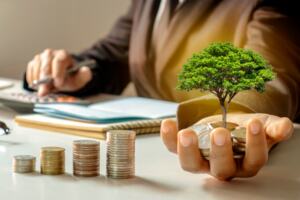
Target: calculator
24, 101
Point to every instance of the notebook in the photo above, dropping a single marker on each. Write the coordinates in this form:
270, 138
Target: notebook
112, 111
91, 130
131, 113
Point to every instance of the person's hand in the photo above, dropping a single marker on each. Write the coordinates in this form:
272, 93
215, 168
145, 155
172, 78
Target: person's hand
263, 131
54, 63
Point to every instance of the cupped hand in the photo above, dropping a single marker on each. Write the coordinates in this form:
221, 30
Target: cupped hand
54, 63
263, 131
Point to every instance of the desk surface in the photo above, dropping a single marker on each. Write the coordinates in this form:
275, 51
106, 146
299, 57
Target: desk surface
158, 174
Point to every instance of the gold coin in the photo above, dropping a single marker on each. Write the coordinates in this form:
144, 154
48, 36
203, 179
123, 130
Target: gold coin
229, 125
52, 160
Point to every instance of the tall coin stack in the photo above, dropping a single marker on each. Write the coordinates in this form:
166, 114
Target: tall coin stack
52, 160
24, 164
120, 154
86, 158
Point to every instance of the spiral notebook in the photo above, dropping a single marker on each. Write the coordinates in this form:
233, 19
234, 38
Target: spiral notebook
85, 129
132, 113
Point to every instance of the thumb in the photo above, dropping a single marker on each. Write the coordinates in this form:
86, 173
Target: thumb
78, 80
280, 130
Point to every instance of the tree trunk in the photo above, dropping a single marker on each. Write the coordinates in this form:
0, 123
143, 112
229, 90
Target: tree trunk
224, 113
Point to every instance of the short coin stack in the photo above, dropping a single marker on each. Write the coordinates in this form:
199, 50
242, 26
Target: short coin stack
86, 158
24, 164
238, 136
120, 154
52, 160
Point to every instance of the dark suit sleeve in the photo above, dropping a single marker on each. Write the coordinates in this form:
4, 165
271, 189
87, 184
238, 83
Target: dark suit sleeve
111, 74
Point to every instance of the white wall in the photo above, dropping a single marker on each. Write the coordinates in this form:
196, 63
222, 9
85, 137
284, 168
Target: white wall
29, 26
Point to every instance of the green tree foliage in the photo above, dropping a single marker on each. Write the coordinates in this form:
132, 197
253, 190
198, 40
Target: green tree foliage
225, 70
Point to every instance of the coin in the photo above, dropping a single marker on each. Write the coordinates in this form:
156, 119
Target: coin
120, 154
52, 160
229, 125
53, 150
24, 163
239, 148
86, 158
238, 135
204, 143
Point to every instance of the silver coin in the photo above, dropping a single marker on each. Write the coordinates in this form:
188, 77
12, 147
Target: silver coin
120, 154
24, 157
239, 134
24, 163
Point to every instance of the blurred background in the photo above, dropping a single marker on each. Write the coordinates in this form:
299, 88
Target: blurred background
29, 26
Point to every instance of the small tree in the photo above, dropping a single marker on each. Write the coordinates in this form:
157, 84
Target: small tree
225, 70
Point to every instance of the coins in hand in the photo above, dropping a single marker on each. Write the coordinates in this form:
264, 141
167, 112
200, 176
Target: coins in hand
238, 136
239, 139
52, 160
24, 164
203, 133
86, 158
120, 154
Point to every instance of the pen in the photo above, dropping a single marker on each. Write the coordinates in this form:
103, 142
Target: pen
89, 63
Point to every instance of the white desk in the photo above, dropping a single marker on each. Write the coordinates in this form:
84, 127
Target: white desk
159, 175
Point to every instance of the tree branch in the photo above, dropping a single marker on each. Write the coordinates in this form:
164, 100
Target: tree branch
231, 96
214, 92
225, 96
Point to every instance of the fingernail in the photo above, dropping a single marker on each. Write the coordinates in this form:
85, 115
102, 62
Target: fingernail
219, 138
185, 140
255, 128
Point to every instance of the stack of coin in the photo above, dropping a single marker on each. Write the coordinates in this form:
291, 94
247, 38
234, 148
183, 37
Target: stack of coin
204, 145
120, 154
239, 139
24, 164
203, 133
52, 160
86, 158
238, 136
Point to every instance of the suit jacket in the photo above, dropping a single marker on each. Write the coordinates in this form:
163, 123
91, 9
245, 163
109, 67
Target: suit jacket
265, 27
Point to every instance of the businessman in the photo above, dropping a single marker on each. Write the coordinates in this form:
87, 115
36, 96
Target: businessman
148, 46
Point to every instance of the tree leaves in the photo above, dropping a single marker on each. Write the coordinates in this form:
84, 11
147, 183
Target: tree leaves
225, 70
